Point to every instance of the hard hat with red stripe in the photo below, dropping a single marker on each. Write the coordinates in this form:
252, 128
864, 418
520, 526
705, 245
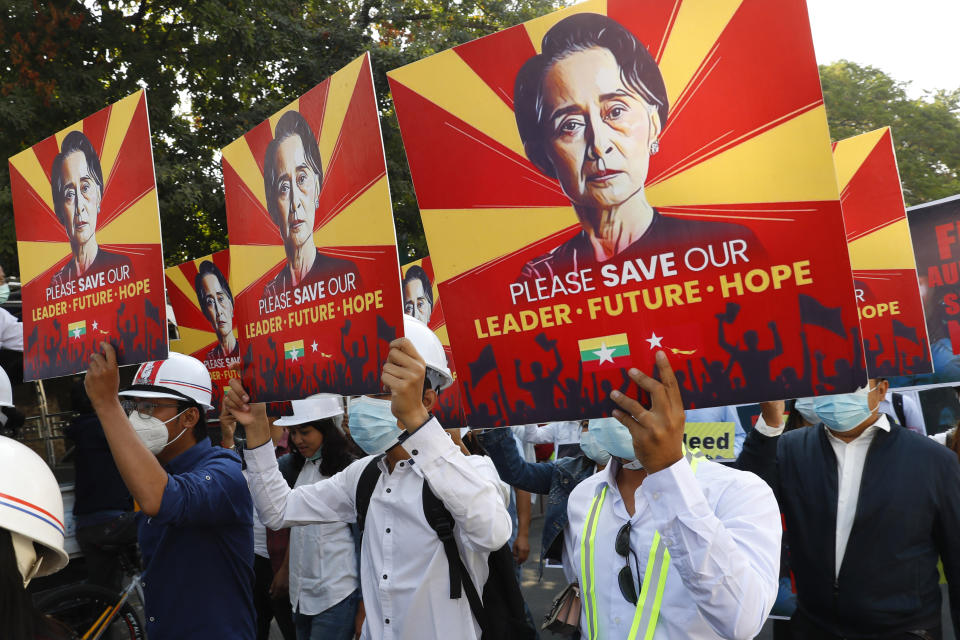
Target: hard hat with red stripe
180, 377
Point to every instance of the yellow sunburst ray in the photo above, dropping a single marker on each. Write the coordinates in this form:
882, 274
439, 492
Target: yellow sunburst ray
248, 263
179, 279
538, 27
120, 116
461, 239
368, 220
850, 154
342, 85
241, 159
698, 25
191, 340
759, 170
28, 165
37, 257
887, 248
130, 224
464, 94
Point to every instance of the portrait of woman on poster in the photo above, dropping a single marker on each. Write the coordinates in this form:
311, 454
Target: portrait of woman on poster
216, 302
292, 179
76, 183
590, 109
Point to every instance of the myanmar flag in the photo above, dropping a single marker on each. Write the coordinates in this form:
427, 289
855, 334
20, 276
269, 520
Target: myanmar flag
605, 352
77, 329
293, 350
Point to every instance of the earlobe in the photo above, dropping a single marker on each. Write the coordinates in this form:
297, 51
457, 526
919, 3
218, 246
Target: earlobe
429, 399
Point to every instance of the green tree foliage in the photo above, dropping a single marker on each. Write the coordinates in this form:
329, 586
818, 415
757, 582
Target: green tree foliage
926, 131
213, 69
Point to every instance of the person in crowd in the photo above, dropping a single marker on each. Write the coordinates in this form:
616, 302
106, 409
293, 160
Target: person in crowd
11, 331
564, 436
324, 579
4, 287
197, 515
417, 294
31, 540
103, 508
721, 414
710, 534
292, 177
271, 559
903, 407
553, 479
590, 109
76, 182
216, 302
869, 508
404, 573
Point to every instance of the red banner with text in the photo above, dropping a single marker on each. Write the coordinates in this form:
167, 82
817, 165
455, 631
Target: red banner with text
314, 262
625, 176
88, 236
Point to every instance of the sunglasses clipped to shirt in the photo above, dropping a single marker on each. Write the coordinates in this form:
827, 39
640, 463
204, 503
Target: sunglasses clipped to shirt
625, 578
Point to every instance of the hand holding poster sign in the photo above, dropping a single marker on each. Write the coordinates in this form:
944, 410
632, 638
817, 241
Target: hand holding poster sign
313, 251
200, 294
884, 269
421, 301
88, 237
633, 176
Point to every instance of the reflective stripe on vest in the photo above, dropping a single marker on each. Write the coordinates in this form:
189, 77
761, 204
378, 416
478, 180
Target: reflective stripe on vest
658, 563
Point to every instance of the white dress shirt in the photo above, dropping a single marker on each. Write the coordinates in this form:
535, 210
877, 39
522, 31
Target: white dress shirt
851, 457
722, 528
556, 433
323, 558
260, 538
11, 331
911, 411
404, 574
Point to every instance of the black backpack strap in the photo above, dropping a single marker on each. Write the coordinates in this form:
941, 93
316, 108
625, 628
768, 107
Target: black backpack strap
898, 408
368, 481
441, 521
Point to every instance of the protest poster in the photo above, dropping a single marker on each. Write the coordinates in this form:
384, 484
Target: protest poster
422, 301
313, 251
881, 256
935, 232
88, 237
199, 293
714, 439
625, 176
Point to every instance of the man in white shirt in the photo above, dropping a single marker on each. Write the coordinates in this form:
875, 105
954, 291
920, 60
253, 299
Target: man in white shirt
11, 331
664, 544
564, 436
404, 573
912, 415
869, 508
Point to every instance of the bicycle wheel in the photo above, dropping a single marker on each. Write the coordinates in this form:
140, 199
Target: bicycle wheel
80, 606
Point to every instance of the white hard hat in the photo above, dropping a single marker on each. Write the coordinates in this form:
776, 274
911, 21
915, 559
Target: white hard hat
180, 377
30, 503
431, 350
6, 390
311, 409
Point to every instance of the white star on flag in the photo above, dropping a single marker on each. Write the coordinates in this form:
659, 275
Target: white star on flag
293, 354
314, 345
76, 332
654, 340
605, 353
95, 325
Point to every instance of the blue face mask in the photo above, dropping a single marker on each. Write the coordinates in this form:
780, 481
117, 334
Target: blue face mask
805, 407
591, 449
845, 411
613, 438
372, 425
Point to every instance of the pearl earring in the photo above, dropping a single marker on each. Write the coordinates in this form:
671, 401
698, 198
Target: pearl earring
654, 147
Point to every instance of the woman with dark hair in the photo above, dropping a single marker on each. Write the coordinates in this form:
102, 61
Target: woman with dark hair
292, 179
31, 541
216, 302
76, 182
590, 109
323, 568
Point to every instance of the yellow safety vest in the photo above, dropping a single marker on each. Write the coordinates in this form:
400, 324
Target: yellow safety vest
658, 563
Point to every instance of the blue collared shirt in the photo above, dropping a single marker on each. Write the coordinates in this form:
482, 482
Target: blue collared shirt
198, 550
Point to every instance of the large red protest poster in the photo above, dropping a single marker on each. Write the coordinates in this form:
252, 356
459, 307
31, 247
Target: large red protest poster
313, 251
626, 176
881, 255
88, 236
935, 231
199, 292
422, 301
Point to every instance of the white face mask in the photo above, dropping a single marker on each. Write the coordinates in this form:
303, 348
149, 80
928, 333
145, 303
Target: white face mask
153, 431
27, 561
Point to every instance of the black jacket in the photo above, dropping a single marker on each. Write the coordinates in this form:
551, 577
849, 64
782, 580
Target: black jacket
908, 515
